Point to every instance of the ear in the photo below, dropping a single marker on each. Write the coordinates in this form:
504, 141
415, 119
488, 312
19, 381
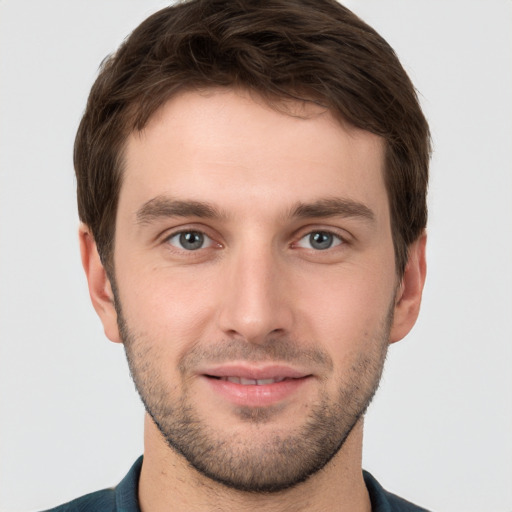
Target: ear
408, 297
100, 289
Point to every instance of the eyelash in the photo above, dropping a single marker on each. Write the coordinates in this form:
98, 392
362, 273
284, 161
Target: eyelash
335, 240
182, 232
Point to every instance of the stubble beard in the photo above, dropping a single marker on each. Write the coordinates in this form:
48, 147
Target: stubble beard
247, 463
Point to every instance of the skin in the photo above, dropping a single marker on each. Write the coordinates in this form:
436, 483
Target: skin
257, 296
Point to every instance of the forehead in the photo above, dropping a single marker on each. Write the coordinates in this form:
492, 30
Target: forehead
231, 147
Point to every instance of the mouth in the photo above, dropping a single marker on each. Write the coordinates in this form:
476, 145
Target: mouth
250, 382
255, 387
252, 375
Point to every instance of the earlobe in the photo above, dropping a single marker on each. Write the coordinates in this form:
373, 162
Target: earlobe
408, 297
100, 289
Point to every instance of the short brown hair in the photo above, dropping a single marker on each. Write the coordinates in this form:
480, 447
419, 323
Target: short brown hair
315, 50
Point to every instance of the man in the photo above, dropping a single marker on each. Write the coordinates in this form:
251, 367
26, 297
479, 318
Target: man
252, 188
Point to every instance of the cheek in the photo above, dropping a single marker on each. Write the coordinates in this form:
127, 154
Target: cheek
169, 308
347, 308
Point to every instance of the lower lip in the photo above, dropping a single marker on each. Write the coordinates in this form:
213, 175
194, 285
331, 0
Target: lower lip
254, 395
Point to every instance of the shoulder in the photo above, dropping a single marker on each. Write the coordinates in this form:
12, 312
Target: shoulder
384, 501
123, 498
99, 501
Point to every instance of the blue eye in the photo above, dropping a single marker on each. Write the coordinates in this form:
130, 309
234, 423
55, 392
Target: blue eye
319, 240
190, 240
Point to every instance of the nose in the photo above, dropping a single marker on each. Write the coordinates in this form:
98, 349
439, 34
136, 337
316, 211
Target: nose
255, 304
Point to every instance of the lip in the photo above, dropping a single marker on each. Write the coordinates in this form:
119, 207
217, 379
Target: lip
289, 382
254, 372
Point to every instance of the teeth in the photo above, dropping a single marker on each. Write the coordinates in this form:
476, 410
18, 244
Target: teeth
253, 382
262, 382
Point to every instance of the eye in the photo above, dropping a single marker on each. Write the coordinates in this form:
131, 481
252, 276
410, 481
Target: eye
190, 240
319, 240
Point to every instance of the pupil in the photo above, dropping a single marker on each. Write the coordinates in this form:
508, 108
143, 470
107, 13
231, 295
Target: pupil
191, 240
321, 240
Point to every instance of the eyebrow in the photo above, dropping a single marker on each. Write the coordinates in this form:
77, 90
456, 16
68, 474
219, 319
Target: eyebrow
162, 206
333, 207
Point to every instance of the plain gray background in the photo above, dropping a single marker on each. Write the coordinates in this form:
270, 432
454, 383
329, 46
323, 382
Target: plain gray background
440, 429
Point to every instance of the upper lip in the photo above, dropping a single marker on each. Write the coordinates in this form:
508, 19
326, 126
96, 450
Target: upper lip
254, 372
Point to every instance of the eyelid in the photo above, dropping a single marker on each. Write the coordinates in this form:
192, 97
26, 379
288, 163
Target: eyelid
208, 242
338, 240
190, 228
339, 233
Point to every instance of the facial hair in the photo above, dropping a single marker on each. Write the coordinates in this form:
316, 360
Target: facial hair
253, 463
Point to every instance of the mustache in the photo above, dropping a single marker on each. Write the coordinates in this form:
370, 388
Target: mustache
281, 350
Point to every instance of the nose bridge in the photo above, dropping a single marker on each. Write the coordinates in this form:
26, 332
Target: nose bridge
254, 305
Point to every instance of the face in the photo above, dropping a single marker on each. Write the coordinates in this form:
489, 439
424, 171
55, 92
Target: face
255, 282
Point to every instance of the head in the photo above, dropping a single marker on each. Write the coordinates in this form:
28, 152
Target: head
252, 176
310, 50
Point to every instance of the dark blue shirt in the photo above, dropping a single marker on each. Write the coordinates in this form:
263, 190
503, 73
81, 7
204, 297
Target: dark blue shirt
123, 498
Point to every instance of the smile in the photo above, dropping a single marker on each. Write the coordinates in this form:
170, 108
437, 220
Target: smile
255, 387
252, 382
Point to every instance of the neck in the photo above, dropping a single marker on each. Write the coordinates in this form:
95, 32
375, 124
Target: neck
167, 480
